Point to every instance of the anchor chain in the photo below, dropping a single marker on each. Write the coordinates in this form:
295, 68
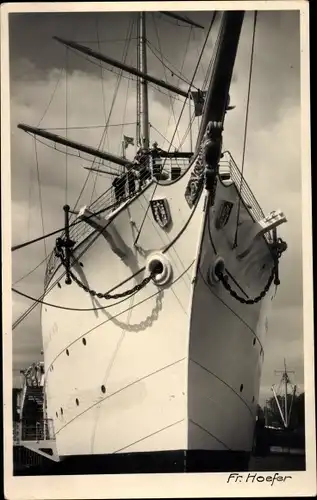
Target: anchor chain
107, 296
64, 250
277, 248
224, 280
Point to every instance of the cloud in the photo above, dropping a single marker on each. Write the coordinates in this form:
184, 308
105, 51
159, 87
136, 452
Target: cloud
272, 161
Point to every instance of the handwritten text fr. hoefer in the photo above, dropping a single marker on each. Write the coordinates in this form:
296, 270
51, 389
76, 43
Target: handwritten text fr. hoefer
254, 477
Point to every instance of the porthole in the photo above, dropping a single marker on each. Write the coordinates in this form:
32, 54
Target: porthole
56, 414
67, 352
84, 341
241, 387
59, 285
254, 341
77, 401
103, 389
62, 411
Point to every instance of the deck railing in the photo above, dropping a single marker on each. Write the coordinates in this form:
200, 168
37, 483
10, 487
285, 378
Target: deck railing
108, 202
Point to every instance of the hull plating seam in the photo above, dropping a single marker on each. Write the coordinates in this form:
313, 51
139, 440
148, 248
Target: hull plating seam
114, 317
225, 383
228, 307
150, 435
210, 434
120, 390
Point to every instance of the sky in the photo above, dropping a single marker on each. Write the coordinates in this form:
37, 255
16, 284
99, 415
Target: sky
43, 93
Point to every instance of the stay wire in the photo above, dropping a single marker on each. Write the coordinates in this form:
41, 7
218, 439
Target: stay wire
65, 308
118, 82
180, 116
191, 84
52, 96
66, 121
57, 231
206, 77
40, 198
86, 127
164, 69
30, 272
105, 133
69, 154
245, 129
170, 67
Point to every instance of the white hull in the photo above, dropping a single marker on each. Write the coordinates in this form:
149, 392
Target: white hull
172, 361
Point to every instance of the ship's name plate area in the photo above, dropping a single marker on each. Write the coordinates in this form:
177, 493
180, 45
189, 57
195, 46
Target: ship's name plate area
255, 478
223, 214
161, 212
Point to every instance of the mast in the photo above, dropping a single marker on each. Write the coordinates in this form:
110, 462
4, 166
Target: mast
181, 18
75, 145
125, 67
285, 394
138, 142
217, 96
144, 85
286, 380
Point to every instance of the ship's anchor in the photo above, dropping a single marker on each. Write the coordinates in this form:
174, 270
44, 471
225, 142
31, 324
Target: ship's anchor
63, 250
277, 247
67, 243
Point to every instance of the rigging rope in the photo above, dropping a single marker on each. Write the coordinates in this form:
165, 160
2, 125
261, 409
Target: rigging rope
40, 198
69, 154
175, 23
245, 129
161, 58
64, 308
106, 295
45, 236
84, 127
125, 54
206, 78
180, 116
164, 68
32, 271
120, 151
105, 134
188, 83
29, 200
66, 121
52, 96
163, 137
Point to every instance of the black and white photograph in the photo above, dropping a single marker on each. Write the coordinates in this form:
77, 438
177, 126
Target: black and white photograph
156, 228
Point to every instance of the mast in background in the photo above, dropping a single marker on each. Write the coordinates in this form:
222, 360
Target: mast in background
287, 412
